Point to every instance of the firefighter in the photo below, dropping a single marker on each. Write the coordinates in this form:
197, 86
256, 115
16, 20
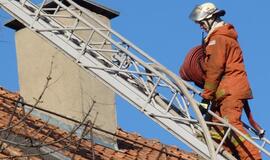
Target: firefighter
226, 84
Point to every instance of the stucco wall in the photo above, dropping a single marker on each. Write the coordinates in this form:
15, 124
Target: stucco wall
71, 90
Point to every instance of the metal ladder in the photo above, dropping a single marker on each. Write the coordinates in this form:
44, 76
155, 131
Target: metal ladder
129, 71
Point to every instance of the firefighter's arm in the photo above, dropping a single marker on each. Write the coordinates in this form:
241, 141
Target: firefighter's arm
215, 66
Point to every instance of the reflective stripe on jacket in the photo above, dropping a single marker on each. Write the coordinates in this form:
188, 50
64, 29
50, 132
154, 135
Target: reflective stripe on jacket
224, 66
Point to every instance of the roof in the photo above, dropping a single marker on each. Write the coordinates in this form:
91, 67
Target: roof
24, 135
88, 4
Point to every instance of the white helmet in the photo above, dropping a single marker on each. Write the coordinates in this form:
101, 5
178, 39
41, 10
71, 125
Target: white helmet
205, 11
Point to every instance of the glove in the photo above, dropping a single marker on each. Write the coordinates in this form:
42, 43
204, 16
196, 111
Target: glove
204, 105
261, 133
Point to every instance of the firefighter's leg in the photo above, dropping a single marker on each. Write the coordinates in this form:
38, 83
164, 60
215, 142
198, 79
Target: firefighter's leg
218, 132
231, 109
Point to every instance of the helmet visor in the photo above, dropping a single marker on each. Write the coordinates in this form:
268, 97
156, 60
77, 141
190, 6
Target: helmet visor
198, 14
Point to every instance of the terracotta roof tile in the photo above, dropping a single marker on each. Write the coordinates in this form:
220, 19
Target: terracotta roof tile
30, 130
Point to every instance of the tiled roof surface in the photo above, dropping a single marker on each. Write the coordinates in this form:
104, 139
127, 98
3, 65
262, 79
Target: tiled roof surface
20, 133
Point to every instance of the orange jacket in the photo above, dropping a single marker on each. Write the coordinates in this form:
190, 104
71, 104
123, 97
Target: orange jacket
224, 66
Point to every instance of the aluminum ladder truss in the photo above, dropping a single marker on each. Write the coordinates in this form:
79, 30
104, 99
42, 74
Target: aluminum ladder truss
129, 71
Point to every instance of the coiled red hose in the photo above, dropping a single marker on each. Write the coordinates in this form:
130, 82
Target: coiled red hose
192, 67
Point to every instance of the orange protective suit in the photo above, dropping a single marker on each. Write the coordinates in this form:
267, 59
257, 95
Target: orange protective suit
225, 70
227, 86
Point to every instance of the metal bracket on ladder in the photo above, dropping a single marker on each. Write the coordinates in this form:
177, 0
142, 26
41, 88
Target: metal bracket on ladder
129, 71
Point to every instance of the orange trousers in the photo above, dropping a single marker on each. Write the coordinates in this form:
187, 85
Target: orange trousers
230, 108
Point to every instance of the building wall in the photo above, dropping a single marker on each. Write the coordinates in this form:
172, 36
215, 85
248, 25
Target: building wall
71, 91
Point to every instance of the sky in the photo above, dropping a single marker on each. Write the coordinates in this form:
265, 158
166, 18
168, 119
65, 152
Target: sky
163, 30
